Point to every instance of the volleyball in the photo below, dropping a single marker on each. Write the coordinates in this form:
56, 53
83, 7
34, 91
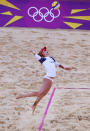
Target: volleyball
55, 5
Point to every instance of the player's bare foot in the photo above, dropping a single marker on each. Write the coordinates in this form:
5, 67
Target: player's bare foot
33, 109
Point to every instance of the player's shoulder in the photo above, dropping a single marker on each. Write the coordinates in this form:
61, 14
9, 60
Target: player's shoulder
52, 58
42, 59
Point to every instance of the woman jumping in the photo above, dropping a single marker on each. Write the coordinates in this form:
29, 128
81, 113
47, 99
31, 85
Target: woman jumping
49, 64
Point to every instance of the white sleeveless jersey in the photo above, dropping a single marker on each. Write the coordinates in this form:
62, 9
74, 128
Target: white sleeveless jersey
49, 64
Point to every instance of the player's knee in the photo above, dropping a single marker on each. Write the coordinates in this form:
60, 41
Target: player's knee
42, 93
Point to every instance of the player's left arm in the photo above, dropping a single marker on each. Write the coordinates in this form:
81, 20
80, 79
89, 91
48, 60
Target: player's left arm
61, 66
65, 68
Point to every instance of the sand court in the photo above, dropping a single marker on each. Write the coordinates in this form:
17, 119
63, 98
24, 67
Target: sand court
20, 72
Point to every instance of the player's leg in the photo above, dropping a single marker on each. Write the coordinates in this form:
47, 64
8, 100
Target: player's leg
30, 94
43, 91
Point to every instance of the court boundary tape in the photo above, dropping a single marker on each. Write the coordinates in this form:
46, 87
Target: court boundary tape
72, 88
46, 110
50, 99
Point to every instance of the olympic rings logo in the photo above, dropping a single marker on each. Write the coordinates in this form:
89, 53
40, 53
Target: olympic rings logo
43, 13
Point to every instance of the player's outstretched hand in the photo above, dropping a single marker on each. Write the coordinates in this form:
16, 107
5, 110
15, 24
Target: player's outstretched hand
69, 68
33, 52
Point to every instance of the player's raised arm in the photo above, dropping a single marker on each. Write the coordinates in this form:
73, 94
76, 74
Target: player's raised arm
35, 54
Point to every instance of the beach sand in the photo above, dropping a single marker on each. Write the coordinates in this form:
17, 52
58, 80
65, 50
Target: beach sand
20, 72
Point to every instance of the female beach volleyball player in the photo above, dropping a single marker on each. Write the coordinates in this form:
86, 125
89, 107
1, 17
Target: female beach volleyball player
49, 64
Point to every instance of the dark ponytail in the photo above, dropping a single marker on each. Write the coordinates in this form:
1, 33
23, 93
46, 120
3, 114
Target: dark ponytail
40, 54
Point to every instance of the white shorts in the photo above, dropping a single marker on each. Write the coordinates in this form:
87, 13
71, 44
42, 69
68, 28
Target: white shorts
47, 77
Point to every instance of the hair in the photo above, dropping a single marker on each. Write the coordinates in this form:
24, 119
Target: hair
40, 54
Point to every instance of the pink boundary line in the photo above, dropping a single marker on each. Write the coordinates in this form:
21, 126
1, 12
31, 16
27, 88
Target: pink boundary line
73, 88
40, 128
